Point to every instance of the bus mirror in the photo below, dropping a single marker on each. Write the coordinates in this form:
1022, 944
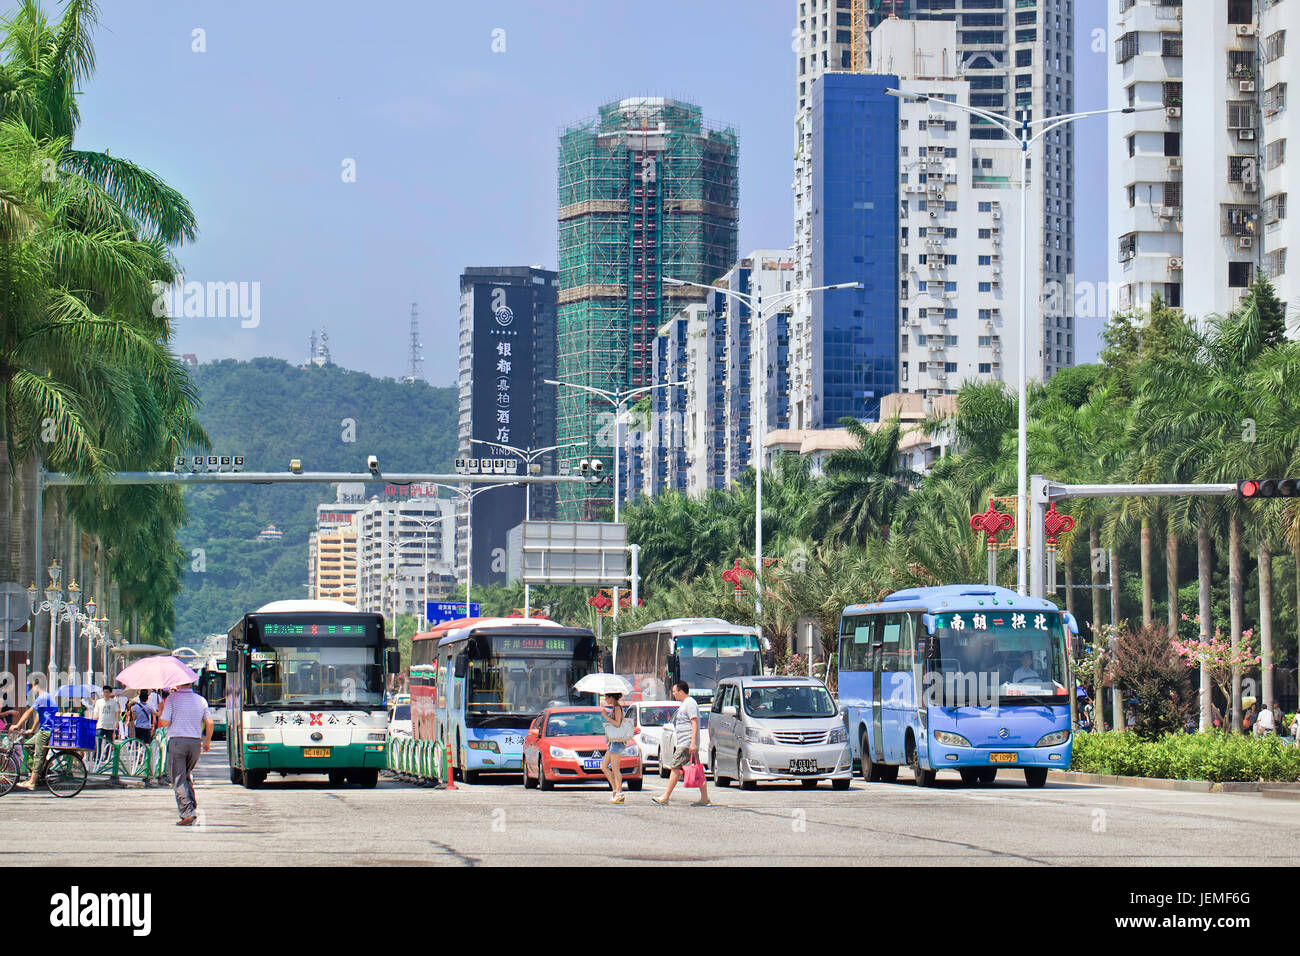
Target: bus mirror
394, 662
1070, 622
928, 621
462, 664
674, 664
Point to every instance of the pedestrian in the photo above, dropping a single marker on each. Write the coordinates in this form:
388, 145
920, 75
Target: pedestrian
1189, 723
1264, 724
686, 732
189, 720
1295, 726
41, 712
142, 717
1216, 718
618, 731
1278, 716
1248, 719
106, 717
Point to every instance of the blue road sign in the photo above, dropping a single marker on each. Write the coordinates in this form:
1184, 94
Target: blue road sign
439, 611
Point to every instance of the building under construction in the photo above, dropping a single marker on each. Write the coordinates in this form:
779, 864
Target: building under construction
646, 190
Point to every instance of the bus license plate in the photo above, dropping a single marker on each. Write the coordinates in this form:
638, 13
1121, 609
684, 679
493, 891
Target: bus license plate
807, 765
315, 751
1002, 758
591, 764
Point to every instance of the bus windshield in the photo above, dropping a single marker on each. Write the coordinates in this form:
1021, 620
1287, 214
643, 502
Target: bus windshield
997, 657
705, 659
212, 686
315, 675
519, 684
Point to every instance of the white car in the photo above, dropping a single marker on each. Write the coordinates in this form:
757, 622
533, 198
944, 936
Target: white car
399, 718
668, 745
650, 717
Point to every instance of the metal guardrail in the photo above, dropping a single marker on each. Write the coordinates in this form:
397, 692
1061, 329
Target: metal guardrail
128, 759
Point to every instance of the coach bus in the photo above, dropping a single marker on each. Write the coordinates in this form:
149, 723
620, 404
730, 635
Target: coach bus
212, 686
305, 692
477, 683
698, 650
965, 677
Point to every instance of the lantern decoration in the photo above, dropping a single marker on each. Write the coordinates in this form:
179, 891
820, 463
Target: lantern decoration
1055, 524
734, 575
992, 523
601, 602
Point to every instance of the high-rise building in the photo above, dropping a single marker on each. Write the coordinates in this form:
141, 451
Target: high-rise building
1018, 62
646, 190
507, 351
1198, 186
406, 550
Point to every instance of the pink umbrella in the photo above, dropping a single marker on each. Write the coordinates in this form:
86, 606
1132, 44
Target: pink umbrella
157, 673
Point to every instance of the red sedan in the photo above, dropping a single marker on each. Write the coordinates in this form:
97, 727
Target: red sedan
566, 744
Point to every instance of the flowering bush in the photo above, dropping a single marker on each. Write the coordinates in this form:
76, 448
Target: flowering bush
1218, 656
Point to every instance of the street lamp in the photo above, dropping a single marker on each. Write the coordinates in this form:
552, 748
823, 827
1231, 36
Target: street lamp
756, 305
60, 611
1021, 135
527, 454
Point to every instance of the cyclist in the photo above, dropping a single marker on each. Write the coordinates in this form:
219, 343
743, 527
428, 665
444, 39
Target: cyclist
41, 711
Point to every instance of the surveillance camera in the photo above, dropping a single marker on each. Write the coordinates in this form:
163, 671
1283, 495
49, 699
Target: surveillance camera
295, 465
373, 464
584, 467
597, 466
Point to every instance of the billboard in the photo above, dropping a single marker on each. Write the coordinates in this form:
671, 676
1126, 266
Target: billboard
590, 553
501, 409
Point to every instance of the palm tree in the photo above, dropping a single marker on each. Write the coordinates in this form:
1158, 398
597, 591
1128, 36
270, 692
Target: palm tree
864, 485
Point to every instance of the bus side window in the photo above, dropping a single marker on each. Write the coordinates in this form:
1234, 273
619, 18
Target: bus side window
855, 645
906, 645
890, 634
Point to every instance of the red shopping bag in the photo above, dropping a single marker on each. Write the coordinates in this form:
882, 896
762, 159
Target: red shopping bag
693, 775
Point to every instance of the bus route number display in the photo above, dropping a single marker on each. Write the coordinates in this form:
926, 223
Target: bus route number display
508, 645
309, 630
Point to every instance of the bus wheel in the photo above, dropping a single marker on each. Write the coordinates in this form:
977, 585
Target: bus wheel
470, 776
987, 774
969, 776
1035, 776
365, 778
236, 776
923, 778
337, 778
254, 778
874, 772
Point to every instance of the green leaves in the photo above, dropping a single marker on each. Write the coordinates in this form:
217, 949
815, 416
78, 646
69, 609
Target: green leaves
1216, 757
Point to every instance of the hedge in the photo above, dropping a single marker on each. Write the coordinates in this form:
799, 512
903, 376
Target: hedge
1216, 757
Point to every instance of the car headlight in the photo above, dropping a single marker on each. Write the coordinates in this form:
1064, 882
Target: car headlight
484, 745
1054, 739
377, 737
559, 753
758, 736
838, 736
631, 751
950, 739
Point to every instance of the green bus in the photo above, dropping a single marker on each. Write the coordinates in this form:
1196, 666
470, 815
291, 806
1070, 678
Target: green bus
305, 693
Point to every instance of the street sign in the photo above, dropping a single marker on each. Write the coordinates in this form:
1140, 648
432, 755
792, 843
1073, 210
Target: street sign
588, 553
439, 611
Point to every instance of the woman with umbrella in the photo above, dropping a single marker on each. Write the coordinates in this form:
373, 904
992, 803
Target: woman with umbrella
618, 726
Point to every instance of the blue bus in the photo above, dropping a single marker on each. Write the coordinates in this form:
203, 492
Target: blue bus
966, 677
478, 683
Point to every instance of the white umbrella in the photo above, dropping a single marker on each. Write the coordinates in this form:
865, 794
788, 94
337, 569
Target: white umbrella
602, 684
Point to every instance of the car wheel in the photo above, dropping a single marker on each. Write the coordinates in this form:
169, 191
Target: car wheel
528, 784
718, 778
635, 785
842, 784
809, 784
663, 767
740, 774
923, 778
542, 782
1035, 776
987, 775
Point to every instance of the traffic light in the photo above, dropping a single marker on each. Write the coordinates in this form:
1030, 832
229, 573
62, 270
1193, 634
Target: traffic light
1269, 488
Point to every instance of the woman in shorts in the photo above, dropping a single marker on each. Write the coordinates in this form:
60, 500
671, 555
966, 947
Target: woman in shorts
617, 741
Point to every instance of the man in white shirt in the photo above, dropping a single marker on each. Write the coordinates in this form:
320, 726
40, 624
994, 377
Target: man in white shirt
107, 712
686, 729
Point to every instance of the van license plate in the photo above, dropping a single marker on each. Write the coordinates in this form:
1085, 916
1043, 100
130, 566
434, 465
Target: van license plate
315, 751
1002, 758
808, 765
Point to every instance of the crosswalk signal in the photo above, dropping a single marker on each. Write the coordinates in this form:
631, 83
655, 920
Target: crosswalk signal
1269, 488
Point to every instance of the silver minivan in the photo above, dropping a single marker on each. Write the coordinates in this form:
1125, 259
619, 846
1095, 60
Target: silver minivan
777, 728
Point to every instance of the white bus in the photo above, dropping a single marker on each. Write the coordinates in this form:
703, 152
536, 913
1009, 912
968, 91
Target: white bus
305, 692
698, 650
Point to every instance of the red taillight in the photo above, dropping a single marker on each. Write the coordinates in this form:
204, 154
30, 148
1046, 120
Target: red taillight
636, 730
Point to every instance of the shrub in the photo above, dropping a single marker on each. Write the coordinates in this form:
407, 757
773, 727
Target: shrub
1154, 678
1208, 756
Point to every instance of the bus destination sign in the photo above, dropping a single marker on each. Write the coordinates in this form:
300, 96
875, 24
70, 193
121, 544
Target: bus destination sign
313, 630
532, 645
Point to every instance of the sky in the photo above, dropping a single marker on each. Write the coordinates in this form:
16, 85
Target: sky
345, 159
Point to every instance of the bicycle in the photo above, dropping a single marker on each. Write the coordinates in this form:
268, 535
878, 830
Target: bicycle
64, 774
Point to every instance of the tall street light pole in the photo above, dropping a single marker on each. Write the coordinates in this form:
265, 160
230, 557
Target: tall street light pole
756, 305
527, 454
1020, 133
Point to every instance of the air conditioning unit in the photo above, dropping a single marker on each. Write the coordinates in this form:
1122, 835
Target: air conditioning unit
997, 214
1246, 86
1175, 264
934, 215
936, 117
1245, 242
1245, 29
1245, 134
1250, 187
1175, 162
997, 283
997, 242
1173, 112
1168, 212
997, 270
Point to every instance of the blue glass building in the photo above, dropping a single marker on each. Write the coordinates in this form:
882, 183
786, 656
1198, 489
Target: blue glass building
855, 238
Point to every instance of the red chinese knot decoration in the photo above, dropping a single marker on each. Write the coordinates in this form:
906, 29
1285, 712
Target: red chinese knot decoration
601, 602
735, 574
992, 523
1056, 524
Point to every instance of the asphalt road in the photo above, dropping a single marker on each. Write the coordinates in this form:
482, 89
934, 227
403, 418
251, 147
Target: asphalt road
303, 821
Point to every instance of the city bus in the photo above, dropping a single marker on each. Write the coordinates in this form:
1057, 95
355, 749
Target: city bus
964, 677
478, 683
305, 687
698, 650
212, 687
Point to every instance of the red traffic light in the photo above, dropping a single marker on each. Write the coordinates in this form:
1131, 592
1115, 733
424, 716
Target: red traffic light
1248, 489
1269, 488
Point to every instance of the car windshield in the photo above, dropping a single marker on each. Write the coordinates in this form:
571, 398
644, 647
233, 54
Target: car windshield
788, 702
653, 716
402, 712
308, 676
581, 724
